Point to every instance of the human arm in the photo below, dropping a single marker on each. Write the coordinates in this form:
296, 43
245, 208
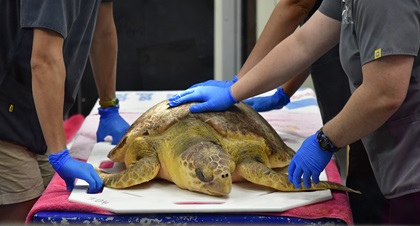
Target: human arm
384, 88
48, 79
304, 46
319, 34
103, 58
284, 20
103, 52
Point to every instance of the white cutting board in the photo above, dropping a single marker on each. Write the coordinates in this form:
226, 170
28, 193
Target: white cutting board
159, 196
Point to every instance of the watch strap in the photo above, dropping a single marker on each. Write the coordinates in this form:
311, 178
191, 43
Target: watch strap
325, 143
109, 103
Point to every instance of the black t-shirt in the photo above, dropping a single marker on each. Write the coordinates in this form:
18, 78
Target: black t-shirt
75, 21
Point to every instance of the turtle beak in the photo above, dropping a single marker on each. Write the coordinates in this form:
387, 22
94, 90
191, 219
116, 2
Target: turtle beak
219, 184
219, 187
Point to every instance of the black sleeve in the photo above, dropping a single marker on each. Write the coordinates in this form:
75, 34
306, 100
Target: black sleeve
57, 15
331, 8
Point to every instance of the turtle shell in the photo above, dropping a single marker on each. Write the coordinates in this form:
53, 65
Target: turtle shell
204, 152
239, 121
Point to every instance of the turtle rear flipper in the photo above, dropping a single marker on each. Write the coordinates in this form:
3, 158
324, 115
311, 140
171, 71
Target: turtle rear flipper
329, 185
259, 173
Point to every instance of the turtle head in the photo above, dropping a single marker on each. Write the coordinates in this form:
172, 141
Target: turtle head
207, 168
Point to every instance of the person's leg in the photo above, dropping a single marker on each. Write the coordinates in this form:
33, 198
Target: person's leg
16, 213
21, 182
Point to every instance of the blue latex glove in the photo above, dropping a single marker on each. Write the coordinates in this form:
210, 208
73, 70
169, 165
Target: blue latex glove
213, 98
69, 169
216, 83
277, 101
111, 124
310, 160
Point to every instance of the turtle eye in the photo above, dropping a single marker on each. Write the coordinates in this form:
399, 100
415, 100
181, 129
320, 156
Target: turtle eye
201, 176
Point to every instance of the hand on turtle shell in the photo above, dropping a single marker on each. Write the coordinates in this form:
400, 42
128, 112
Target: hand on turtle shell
69, 169
277, 101
216, 83
213, 98
310, 160
111, 124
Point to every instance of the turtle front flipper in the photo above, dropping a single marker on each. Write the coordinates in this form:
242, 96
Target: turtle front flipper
142, 165
259, 173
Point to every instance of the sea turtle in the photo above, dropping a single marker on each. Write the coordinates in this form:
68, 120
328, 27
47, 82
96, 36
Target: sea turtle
204, 152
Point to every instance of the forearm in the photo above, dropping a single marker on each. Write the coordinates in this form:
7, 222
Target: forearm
302, 50
48, 79
285, 18
355, 120
103, 53
274, 70
291, 86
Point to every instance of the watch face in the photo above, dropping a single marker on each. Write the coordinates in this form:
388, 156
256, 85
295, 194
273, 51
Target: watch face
116, 102
324, 143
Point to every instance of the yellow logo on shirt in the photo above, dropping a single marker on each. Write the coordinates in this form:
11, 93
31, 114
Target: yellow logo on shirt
378, 53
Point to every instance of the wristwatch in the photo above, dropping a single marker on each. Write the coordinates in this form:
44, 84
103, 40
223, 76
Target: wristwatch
109, 103
325, 143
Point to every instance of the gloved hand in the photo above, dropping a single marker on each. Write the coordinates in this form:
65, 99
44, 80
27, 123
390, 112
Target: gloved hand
310, 160
216, 83
69, 169
214, 98
111, 124
277, 101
